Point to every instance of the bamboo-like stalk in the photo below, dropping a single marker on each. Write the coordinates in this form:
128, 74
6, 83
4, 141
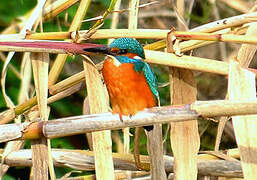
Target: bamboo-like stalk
227, 23
98, 103
242, 86
62, 85
40, 160
184, 136
187, 62
84, 160
100, 34
97, 122
216, 37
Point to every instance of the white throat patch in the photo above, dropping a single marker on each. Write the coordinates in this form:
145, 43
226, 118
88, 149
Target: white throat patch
137, 57
113, 60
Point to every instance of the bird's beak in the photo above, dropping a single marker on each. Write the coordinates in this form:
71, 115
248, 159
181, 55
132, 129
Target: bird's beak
98, 50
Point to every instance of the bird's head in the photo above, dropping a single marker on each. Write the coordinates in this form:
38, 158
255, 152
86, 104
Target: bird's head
121, 47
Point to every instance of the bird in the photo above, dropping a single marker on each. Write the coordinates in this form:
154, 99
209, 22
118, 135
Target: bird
130, 81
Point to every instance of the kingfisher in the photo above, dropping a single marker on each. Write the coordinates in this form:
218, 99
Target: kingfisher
130, 81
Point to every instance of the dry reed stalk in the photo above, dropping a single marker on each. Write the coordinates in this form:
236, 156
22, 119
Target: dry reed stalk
247, 51
86, 110
184, 136
187, 62
61, 58
99, 34
166, 114
216, 37
115, 18
84, 160
98, 102
69, 82
55, 8
40, 160
241, 85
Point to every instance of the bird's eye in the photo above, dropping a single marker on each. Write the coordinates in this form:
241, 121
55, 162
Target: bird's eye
115, 50
122, 51
118, 51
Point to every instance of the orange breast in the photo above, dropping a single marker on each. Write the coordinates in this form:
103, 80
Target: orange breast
128, 89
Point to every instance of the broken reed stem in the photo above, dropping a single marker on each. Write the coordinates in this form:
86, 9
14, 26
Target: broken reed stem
84, 160
98, 122
216, 37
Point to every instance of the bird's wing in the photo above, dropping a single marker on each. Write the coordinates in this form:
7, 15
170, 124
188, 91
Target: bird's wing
151, 80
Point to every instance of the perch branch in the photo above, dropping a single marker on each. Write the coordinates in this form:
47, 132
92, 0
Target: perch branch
97, 122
